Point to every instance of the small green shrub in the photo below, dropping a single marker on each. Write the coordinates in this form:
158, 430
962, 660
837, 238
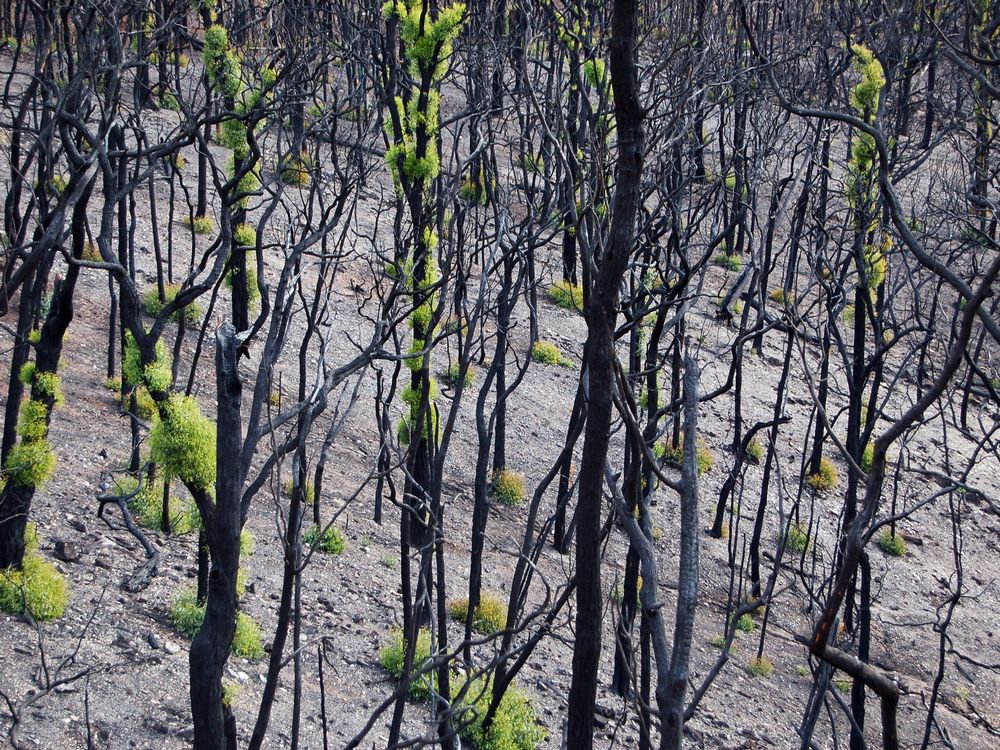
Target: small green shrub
547, 353
169, 101
113, 384
453, 375
392, 657
508, 488
154, 305
183, 442
187, 617
147, 506
309, 493
843, 686
297, 170
826, 477
490, 616
729, 262
514, 726
867, 458
248, 640
892, 544
673, 455
230, 692
802, 671
30, 463
745, 623
201, 224
567, 295
37, 587
330, 541
798, 538
245, 235
755, 450
247, 543
848, 315
532, 162
782, 297
760, 667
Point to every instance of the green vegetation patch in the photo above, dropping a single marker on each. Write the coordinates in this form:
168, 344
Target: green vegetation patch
330, 541
508, 488
490, 616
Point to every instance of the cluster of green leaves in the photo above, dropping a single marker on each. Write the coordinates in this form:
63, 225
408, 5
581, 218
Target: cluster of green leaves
567, 295
147, 506
729, 262
154, 304
201, 224
826, 478
31, 462
760, 667
797, 540
673, 455
490, 616
37, 587
454, 375
331, 541
392, 657
187, 616
508, 488
514, 726
182, 441
892, 544
547, 353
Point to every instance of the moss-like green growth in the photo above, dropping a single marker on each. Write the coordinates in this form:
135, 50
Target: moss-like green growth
49, 385
547, 353
508, 488
308, 493
297, 170
490, 616
31, 423
453, 375
37, 588
729, 262
797, 540
760, 667
247, 543
892, 544
514, 727
27, 373
392, 657
745, 623
826, 478
673, 455
245, 235
187, 617
183, 442
331, 541
154, 305
782, 297
567, 295
147, 506
30, 464
201, 224
755, 450
867, 458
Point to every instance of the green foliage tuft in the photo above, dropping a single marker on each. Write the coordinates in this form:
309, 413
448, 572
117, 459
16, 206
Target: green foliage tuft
755, 450
673, 455
453, 375
32, 423
37, 587
508, 488
514, 727
392, 657
760, 667
297, 170
567, 295
30, 464
826, 478
183, 442
490, 616
154, 305
330, 541
745, 623
547, 353
729, 262
27, 373
187, 617
49, 385
867, 458
798, 538
201, 224
892, 544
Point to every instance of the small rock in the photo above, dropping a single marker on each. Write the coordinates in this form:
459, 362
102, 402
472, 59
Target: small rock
68, 551
171, 648
78, 525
